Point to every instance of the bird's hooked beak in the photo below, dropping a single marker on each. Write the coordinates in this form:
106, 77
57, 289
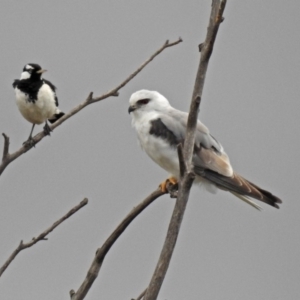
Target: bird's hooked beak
131, 109
41, 71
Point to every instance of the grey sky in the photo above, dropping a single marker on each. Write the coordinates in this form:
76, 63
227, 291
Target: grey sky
226, 249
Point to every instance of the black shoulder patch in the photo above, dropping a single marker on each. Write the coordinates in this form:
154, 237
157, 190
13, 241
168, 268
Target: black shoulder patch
28, 87
159, 129
15, 83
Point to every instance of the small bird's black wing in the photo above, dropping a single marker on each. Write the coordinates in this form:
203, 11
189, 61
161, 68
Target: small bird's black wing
53, 88
15, 83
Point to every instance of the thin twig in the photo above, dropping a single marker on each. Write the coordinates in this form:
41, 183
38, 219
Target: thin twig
130, 77
182, 165
188, 176
101, 252
141, 295
89, 100
5, 147
189, 141
41, 236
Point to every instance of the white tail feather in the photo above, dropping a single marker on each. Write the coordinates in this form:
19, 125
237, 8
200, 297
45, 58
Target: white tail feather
247, 200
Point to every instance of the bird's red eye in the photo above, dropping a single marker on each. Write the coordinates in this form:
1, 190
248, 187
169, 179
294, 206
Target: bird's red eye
143, 101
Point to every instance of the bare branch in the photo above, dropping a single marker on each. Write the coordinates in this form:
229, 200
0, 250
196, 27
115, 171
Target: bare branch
182, 166
42, 236
190, 130
101, 252
6, 147
141, 295
130, 77
114, 92
188, 176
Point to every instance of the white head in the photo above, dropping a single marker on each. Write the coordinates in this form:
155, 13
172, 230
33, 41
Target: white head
33, 71
145, 101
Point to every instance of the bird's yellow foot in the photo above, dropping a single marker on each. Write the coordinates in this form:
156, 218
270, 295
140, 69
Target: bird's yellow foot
163, 185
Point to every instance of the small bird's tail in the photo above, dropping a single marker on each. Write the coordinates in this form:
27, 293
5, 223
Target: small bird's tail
241, 188
56, 116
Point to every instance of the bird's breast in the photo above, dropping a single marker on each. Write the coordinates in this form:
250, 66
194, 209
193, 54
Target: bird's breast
159, 150
40, 110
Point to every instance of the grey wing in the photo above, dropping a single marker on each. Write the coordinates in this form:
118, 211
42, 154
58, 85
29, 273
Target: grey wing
212, 163
203, 138
208, 152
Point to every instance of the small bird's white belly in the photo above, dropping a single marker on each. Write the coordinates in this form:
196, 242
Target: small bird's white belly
39, 111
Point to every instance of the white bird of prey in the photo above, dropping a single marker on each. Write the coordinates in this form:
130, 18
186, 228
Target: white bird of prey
160, 128
36, 98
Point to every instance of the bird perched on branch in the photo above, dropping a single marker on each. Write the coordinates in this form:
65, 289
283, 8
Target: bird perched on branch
36, 99
160, 128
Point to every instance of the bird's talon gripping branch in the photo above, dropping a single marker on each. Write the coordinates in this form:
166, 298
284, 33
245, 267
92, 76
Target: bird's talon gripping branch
163, 185
29, 143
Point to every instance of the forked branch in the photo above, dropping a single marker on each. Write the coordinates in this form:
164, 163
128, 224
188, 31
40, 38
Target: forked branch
141, 295
185, 156
101, 252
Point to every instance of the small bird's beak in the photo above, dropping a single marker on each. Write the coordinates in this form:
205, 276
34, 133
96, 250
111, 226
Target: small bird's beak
131, 109
41, 71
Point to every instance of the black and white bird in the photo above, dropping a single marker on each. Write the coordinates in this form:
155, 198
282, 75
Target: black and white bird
160, 128
36, 98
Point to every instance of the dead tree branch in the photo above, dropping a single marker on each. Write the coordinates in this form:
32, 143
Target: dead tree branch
5, 147
8, 158
140, 297
101, 252
187, 176
41, 236
114, 92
